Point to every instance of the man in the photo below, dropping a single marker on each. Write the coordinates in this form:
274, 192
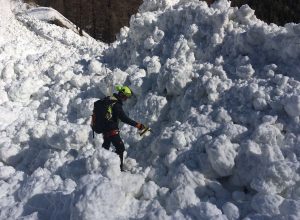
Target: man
111, 132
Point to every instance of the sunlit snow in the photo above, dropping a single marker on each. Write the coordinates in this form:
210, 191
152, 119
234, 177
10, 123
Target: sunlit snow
219, 88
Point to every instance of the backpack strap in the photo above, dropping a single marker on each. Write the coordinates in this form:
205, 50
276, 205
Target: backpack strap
113, 101
93, 123
113, 98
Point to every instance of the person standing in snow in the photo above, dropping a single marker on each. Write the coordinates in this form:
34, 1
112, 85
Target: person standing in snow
111, 132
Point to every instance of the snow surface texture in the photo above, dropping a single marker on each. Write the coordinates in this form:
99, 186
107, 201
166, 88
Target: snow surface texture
219, 88
6, 14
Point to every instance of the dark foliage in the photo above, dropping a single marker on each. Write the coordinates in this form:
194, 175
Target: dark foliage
102, 19
279, 12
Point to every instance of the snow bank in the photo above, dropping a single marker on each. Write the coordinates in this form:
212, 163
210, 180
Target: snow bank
231, 109
50, 15
219, 88
6, 14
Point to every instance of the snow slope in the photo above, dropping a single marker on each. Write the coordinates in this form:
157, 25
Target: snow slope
219, 87
6, 14
50, 15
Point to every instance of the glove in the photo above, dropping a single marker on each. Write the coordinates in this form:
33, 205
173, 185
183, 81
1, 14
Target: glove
140, 126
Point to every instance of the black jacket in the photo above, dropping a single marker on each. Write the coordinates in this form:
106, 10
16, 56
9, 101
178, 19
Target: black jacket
118, 114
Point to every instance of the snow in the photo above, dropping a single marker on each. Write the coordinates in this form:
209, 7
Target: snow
51, 15
219, 88
6, 14
267, 204
221, 154
231, 211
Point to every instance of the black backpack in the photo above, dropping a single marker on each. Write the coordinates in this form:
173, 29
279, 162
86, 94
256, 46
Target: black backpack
102, 114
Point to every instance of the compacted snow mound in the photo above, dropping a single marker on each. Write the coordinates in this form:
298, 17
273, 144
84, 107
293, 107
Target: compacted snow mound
219, 88
231, 109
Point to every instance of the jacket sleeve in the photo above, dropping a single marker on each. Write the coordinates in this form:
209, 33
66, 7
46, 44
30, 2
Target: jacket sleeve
123, 117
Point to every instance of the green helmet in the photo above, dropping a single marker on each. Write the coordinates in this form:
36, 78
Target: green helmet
125, 90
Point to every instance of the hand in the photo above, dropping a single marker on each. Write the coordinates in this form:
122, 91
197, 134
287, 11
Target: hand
140, 126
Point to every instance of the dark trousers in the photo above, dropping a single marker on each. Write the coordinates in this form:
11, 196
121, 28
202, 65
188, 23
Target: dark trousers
118, 143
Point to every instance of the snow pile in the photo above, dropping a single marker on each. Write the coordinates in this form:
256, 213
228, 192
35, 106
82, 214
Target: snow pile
231, 89
50, 15
41, 70
6, 14
219, 88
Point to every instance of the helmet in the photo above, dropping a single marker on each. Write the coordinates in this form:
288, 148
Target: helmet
125, 90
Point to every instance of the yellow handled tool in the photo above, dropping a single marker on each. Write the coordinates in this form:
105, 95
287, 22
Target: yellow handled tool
145, 130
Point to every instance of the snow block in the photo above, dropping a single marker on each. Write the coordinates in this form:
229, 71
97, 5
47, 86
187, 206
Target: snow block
221, 153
